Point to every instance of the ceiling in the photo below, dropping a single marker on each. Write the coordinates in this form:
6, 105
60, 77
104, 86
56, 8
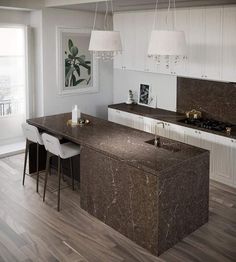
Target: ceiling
132, 5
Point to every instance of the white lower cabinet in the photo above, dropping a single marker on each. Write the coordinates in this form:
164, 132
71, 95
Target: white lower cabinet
200, 139
224, 157
222, 149
120, 117
176, 132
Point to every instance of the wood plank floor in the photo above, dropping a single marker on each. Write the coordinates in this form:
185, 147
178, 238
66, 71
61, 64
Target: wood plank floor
31, 230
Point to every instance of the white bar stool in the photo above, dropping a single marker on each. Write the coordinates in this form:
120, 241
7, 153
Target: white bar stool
32, 135
62, 151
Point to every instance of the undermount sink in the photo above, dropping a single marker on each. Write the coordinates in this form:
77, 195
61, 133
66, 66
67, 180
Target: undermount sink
164, 145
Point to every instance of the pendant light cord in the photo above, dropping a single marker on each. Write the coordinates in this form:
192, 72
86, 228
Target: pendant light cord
174, 21
95, 16
105, 18
167, 14
155, 16
112, 8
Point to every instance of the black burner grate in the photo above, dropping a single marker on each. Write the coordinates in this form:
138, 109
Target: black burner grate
208, 124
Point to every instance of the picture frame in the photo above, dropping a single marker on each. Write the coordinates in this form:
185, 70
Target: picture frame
145, 96
77, 68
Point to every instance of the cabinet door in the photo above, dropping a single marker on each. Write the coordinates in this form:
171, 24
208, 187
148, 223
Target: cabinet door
213, 44
193, 137
129, 40
112, 115
196, 43
229, 44
142, 40
224, 162
148, 122
120, 117
182, 24
164, 22
233, 141
118, 26
176, 132
138, 122
151, 63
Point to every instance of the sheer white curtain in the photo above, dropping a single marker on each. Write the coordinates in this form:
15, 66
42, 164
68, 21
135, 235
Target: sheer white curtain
12, 82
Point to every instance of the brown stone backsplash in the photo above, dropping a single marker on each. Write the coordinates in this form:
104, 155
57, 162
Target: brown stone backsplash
217, 100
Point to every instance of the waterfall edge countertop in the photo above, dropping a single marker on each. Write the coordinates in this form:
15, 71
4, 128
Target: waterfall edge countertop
120, 142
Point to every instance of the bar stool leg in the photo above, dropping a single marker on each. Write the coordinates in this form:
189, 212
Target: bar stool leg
59, 183
37, 184
72, 174
46, 176
26, 155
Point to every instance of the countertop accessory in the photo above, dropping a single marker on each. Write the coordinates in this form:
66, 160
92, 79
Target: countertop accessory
75, 115
193, 114
228, 130
130, 99
81, 122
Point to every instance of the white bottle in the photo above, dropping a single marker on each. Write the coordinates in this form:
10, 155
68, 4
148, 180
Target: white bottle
78, 114
75, 115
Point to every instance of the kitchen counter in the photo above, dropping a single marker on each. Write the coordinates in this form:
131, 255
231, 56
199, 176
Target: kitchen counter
153, 196
121, 142
166, 116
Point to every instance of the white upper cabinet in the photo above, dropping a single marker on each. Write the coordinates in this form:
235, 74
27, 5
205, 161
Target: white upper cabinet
196, 54
143, 33
150, 63
141, 44
213, 43
182, 24
210, 34
119, 26
164, 22
122, 23
229, 44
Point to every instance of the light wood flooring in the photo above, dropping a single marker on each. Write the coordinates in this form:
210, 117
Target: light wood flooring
31, 230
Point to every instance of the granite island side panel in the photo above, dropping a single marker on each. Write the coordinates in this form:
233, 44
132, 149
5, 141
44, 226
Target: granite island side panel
154, 211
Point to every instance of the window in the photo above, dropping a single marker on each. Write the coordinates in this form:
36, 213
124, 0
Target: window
12, 83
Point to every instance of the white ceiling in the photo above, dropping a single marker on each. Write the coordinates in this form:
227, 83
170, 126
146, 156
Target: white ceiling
129, 5
119, 5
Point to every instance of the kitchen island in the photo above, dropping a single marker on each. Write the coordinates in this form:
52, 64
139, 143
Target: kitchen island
153, 195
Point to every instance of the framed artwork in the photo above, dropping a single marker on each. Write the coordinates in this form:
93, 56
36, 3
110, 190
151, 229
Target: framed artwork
145, 96
77, 70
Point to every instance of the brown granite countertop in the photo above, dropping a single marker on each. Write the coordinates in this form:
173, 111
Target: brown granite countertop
120, 142
167, 116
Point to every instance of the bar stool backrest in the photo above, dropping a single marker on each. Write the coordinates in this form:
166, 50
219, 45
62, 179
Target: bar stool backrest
32, 133
52, 144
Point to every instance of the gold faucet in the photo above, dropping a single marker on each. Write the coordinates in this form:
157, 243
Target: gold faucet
157, 139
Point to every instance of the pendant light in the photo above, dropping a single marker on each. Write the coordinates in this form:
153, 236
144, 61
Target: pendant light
170, 44
105, 44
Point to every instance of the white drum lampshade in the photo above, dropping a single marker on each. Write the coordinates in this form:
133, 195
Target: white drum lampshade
105, 43
167, 43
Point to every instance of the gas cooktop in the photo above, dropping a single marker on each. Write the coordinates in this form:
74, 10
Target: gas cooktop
208, 124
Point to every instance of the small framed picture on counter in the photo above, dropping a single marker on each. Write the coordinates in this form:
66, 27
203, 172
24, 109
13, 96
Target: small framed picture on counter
145, 96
